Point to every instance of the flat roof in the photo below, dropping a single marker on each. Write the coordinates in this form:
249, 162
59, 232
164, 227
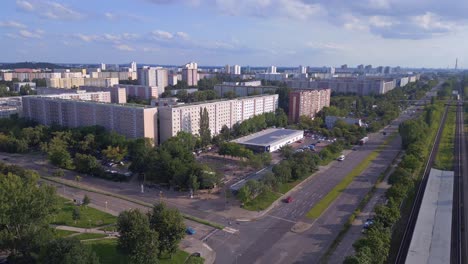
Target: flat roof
220, 100
268, 137
432, 234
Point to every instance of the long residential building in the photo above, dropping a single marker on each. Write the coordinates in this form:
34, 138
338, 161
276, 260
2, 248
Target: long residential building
359, 86
119, 75
69, 83
130, 121
118, 94
186, 117
141, 91
243, 90
307, 103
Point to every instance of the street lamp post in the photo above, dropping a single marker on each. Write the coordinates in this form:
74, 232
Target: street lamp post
106, 205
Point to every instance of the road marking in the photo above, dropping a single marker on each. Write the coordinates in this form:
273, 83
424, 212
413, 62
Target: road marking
272, 216
208, 247
230, 230
209, 234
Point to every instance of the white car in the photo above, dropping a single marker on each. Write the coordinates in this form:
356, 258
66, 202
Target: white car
341, 158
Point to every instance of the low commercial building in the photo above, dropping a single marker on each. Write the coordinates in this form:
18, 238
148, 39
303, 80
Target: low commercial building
270, 140
186, 117
131, 121
307, 103
243, 90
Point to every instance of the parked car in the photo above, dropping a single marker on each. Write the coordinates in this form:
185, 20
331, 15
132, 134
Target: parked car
369, 222
190, 231
341, 158
289, 199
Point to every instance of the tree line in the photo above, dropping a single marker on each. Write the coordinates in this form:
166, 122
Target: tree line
416, 135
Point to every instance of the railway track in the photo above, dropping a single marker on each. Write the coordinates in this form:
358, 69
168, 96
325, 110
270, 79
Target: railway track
458, 244
408, 233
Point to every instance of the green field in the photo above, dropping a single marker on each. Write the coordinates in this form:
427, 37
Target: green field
90, 217
262, 201
106, 250
63, 233
444, 158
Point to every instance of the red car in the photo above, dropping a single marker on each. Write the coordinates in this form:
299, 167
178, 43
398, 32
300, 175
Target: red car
288, 200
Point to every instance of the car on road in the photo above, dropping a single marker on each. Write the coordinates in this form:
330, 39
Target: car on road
289, 199
341, 158
190, 231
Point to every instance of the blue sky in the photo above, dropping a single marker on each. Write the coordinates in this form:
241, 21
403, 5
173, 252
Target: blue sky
413, 33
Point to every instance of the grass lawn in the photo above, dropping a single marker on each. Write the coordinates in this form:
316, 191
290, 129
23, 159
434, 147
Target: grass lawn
106, 250
63, 233
262, 201
111, 228
285, 187
85, 236
90, 217
444, 158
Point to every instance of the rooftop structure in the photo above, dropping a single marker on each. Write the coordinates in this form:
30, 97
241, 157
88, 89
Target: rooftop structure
270, 140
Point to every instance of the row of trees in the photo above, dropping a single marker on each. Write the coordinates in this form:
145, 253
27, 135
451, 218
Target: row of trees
25, 233
374, 247
296, 167
147, 237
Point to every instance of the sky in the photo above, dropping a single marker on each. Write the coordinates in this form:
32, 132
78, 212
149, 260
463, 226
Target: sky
407, 33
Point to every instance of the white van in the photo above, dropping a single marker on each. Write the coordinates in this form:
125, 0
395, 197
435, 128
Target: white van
341, 158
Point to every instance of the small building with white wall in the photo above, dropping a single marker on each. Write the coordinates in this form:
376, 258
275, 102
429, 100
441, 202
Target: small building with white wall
270, 140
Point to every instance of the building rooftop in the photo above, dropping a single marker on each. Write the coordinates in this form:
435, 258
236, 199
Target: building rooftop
267, 137
219, 100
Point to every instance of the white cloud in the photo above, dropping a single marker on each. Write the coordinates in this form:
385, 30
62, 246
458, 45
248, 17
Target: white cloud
160, 34
182, 35
431, 21
24, 5
49, 9
12, 24
124, 47
87, 38
110, 16
325, 46
381, 21
30, 34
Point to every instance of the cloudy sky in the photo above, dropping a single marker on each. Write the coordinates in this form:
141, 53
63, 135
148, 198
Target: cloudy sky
413, 33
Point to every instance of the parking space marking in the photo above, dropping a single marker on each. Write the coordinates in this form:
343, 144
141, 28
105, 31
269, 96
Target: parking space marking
230, 230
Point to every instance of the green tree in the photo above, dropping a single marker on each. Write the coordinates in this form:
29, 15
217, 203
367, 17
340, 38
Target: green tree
136, 238
114, 153
85, 163
286, 151
86, 200
25, 208
68, 251
76, 214
204, 131
58, 153
170, 225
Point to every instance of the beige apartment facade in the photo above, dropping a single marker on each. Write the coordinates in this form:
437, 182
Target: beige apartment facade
69, 83
307, 103
130, 121
186, 117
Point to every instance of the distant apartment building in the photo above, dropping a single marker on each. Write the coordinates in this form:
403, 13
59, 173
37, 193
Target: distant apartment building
28, 76
302, 69
121, 75
243, 90
359, 86
190, 73
307, 103
130, 121
246, 83
186, 117
153, 76
331, 120
271, 69
133, 66
118, 94
69, 83
271, 76
236, 70
10, 106
140, 91
17, 85
172, 79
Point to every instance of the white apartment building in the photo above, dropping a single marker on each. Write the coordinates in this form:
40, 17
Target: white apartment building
190, 73
186, 117
271, 69
69, 83
154, 76
236, 70
133, 66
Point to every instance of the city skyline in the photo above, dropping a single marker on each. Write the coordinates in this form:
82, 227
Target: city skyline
219, 32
